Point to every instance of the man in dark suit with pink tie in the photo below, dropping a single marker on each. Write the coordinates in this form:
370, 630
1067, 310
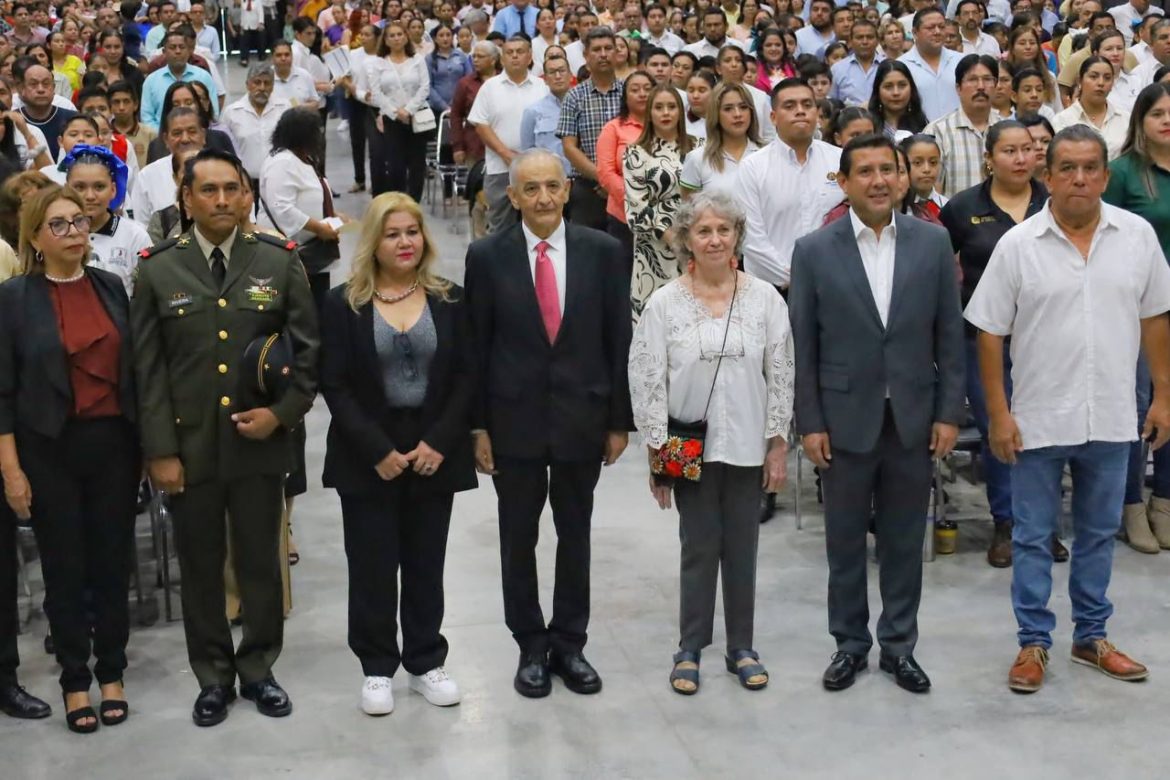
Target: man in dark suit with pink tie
549, 304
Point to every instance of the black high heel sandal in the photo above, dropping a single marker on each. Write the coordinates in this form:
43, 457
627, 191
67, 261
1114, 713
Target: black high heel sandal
73, 718
108, 706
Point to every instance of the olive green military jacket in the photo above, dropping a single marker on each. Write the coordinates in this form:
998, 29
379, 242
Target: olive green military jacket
189, 341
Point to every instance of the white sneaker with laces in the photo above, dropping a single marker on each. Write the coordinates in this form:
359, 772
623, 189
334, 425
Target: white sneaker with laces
377, 697
436, 687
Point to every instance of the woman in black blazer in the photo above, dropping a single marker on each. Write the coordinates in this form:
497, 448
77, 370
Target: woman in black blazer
395, 377
68, 447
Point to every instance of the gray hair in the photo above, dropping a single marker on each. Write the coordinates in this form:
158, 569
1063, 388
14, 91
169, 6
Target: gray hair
261, 69
492, 50
1076, 134
718, 203
475, 17
535, 153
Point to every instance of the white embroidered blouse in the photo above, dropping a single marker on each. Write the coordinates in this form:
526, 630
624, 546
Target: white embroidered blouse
672, 363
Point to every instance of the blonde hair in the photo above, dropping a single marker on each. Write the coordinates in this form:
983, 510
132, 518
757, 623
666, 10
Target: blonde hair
364, 268
32, 218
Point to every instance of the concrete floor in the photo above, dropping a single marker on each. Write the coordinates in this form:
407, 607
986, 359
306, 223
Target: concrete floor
1081, 725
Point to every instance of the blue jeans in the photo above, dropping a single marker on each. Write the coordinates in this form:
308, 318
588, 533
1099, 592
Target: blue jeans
1135, 478
997, 473
1098, 477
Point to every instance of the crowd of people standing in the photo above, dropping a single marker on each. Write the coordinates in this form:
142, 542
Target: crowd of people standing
730, 227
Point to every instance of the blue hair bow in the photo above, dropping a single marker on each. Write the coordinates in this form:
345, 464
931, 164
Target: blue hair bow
100, 154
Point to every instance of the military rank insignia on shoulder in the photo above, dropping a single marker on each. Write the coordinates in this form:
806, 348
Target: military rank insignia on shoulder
283, 243
154, 250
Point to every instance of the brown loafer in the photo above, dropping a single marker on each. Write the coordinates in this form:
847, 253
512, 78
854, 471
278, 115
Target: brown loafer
1027, 674
1103, 656
1059, 551
999, 554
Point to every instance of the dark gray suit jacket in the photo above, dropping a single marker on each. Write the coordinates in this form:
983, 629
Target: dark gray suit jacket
845, 359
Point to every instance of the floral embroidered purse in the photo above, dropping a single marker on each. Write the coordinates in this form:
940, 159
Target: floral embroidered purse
682, 454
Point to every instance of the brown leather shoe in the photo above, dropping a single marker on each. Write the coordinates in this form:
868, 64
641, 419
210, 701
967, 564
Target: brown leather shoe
1059, 551
1103, 656
1027, 674
999, 554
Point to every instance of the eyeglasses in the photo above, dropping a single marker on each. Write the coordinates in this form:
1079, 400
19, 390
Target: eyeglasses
60, 227
409, 367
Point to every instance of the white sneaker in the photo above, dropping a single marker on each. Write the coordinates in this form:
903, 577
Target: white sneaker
436, 687
343, 127
377, 698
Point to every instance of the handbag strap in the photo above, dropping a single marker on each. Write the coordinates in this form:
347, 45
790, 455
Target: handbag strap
723, 348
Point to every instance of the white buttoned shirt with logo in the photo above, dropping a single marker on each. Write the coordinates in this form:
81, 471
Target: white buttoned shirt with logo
1075, 323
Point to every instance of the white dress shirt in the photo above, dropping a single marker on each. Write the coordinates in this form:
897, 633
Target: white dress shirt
1074, 323
298, 89
252, 131
784, 200
500, 105
983, 44
1125, 15
207, 247
877, 257
557, 253
762, 105
154, 190
704, 48
1125, 91
575, 53
668, 40
1113, 129
291, 191
673, 355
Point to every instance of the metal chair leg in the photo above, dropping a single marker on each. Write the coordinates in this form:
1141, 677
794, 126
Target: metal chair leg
799, 487
937, 515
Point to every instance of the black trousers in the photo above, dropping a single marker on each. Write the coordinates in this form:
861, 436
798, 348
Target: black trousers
358, 118
399, 154
895, 481
255, 504
522, 487
398, 528
85, 488
252, 40
586, 206
621, 231
9, 625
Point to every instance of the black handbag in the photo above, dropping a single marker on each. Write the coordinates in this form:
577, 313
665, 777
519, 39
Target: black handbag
681, 457
316, 253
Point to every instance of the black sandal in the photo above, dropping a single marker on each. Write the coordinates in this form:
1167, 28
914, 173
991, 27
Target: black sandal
686, 675
747, 671
110, 705
73, 719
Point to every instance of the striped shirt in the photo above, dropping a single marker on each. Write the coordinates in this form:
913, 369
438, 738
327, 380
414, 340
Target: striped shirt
585, 111
961, 144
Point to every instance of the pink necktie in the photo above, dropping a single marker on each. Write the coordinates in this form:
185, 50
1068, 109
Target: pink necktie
546, 292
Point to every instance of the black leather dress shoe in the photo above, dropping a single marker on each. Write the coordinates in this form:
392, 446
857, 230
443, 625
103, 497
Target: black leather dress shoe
16, 702
270, 698
843, 669
532, 678
907, 673
768, 508
578, 674
211, 707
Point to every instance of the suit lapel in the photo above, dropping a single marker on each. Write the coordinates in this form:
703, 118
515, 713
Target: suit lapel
365, 339
855, 269
903, 262
43, 322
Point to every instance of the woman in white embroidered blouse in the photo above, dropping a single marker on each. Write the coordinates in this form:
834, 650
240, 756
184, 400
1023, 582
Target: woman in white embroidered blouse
399, 85
713, 312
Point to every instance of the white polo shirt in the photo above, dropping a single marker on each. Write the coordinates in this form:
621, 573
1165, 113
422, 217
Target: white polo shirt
1075, 324
252, 131
500, 105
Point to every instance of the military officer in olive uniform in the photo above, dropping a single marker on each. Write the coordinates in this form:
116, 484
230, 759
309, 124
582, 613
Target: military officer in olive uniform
199, 300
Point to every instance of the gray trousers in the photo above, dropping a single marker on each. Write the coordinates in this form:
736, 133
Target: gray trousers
892, 483
500, 213
719, 527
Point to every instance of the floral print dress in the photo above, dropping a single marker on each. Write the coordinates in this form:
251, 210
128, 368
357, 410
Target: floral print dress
653, 198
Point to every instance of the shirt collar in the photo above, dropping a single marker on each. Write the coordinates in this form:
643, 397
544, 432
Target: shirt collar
110, 226
207, 246
860, 227
1048, 222
752, 146
556, 240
